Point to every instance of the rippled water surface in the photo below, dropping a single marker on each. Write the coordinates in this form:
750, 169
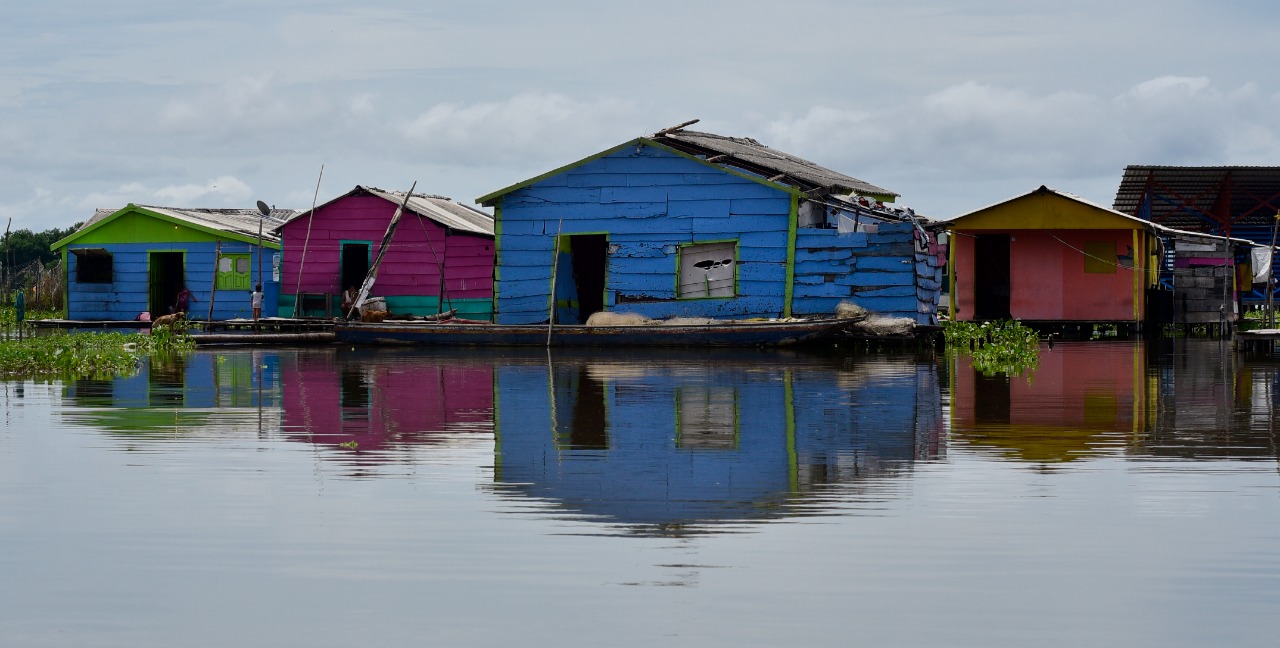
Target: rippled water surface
1121, 494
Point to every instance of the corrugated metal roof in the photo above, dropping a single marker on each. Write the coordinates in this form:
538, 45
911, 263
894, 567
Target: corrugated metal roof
244, 222
236, 221
445, 211
750, 155
1195, 197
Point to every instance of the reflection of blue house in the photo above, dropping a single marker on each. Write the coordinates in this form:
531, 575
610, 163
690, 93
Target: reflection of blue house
684, 223
693, 443
180, 391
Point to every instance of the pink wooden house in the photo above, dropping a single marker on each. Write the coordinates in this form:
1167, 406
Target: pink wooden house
440, 256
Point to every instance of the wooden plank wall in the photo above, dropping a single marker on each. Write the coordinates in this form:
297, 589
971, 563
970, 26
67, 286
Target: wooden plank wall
880, 271
648, 201
409, 277
127, 295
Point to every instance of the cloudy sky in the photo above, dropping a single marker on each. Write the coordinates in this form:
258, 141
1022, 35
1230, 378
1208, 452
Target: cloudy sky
954, 105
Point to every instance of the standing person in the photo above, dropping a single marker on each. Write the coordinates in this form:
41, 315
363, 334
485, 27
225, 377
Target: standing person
255, 300
183, 302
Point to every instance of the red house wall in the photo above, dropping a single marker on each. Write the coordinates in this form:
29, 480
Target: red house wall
1048, 281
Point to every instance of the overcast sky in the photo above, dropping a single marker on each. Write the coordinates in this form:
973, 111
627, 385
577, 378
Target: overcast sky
955, 105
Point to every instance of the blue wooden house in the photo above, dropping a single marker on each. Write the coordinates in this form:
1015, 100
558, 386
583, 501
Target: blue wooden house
685, 223
137, 259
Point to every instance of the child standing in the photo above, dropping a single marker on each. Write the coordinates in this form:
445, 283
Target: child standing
255, 300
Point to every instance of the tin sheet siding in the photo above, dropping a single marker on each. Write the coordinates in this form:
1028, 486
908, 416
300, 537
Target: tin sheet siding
648, 202
874, 270
409, 276
127, 294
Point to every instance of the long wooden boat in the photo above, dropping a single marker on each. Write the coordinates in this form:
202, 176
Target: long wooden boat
720, 334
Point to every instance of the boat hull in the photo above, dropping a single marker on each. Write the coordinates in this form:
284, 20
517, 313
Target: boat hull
700, 335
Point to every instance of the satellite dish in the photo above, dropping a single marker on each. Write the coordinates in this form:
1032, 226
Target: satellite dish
262, 207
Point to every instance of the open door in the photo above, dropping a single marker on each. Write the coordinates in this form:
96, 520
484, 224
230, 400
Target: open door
583, 288
165, 278
991, 278
355, 265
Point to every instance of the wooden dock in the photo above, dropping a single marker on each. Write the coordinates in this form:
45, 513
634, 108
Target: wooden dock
1260, 341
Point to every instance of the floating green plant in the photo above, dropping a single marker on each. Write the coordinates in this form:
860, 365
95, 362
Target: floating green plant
350, 445
1000, 347
61, 354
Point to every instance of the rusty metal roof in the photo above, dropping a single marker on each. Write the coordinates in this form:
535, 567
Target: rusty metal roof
1201, 198
752, 156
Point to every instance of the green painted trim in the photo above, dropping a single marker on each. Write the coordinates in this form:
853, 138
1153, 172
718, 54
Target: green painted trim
793, 222
142, 211
489, 199
789, 407
497, 256
680, 250
66, 285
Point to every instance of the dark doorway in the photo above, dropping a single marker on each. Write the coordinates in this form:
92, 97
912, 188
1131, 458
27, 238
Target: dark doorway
589, 252
992, 402
165, 279
580, 410
991, 284
355, 265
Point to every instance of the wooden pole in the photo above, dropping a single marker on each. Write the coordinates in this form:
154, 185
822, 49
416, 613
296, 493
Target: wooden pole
213, 289
555, 265
297, 287
1271, 275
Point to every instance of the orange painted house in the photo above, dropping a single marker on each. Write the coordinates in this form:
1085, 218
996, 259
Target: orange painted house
1051, 257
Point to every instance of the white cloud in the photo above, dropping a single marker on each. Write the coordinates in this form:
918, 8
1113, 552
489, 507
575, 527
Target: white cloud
527, 126
223, 191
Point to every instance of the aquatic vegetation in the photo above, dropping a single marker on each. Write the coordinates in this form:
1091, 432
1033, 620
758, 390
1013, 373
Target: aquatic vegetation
1000, 347
85, 354
350, 445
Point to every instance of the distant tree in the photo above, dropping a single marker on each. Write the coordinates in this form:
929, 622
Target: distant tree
21, 249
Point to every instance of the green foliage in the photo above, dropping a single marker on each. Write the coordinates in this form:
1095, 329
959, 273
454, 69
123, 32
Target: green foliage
1002, 347
66, 355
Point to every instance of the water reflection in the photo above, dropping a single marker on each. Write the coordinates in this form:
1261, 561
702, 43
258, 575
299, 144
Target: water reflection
671, 443
1171, 398
223, 392
687, 442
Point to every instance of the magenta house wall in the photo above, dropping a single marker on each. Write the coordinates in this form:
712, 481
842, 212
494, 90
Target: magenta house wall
346, 235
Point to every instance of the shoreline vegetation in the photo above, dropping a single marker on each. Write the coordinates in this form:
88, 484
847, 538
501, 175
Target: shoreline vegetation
60, 354
1001, 347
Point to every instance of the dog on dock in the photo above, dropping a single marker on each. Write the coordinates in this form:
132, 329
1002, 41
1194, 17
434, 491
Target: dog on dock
169, 321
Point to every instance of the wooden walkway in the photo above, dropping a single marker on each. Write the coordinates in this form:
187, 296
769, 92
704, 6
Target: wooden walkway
1256, 341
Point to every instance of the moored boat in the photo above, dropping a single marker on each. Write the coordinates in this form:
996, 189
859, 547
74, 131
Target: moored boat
723, 333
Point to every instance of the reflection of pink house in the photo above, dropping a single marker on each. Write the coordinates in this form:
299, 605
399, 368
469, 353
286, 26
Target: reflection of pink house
381, 404
1080, 397
440, 256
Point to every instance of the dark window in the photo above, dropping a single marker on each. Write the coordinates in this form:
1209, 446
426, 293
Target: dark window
93, 266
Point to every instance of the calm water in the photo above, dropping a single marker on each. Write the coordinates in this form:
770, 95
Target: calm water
1121, 495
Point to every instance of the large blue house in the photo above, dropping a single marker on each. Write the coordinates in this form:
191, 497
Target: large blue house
685, 223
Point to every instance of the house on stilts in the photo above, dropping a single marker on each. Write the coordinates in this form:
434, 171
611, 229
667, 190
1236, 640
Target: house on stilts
1052, 259
691, 224
439, 256
125, 262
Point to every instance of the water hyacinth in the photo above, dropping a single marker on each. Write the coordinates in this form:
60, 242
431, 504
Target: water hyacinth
64, 354
1001, 347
